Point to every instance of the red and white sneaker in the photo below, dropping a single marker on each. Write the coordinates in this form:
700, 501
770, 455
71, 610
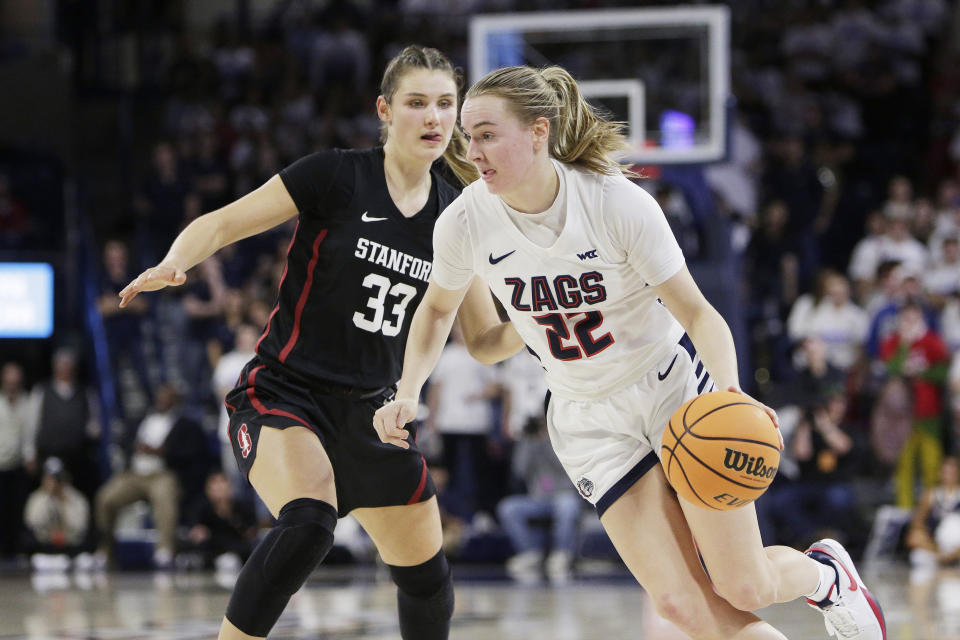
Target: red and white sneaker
849, 611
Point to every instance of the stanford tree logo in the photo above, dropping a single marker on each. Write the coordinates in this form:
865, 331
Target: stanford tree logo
243, 439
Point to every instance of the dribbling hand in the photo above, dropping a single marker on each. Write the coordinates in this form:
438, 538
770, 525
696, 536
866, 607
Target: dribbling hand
770, 412
389, 421
152, 279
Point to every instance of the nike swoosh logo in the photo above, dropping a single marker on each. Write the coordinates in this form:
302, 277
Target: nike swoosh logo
496, 260
366, 217
663, 376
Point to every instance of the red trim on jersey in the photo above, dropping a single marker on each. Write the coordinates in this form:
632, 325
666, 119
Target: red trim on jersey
261, 408
283, 277
304, 294
229, 406
415, 498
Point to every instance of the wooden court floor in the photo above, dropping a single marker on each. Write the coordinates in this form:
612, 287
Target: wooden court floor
338, 604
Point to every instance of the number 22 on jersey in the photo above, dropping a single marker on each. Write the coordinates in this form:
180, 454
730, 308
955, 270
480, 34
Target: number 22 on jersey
376, 304
586, 345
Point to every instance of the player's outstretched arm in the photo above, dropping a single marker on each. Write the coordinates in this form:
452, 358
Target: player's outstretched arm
428, 333
259, 210
488, 339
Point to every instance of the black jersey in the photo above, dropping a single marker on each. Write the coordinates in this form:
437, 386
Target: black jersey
356, 271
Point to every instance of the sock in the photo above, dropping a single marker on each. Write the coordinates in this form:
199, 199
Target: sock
828, 580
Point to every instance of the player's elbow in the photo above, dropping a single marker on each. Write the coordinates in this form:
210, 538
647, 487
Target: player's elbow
494, 344
703, 315
221, 228
482, 351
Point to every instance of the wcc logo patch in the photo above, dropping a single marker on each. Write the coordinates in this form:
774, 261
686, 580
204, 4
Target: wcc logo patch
585, 487
243, 439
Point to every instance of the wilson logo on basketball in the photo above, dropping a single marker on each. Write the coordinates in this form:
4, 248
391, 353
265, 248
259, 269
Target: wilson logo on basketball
243, 439
754, 466
720, 450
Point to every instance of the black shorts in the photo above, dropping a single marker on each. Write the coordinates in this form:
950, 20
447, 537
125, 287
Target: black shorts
367, 472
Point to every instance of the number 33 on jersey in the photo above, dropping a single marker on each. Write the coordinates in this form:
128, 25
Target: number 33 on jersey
387, 307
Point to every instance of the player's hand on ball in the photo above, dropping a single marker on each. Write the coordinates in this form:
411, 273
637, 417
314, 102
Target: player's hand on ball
770, 412
389, 421
152, 279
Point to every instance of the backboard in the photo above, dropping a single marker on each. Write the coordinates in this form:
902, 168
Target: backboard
663, 71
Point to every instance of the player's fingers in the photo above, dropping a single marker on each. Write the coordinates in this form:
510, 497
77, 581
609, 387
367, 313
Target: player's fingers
388, 423
126, 298
130, 291
403, 444
406, 414
770, 412
380, 420
776, 423
133, 287
156, 278
773, 415
399, 415
397, 433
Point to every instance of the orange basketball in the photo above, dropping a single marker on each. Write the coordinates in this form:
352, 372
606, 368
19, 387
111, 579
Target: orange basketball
720, 450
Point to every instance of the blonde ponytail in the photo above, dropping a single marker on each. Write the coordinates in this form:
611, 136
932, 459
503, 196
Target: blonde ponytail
582, 136
579, 134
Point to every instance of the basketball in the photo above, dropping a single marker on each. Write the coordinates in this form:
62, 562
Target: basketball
720, 450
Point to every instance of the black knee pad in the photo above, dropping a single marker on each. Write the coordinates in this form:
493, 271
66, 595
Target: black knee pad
280, 564
425, 598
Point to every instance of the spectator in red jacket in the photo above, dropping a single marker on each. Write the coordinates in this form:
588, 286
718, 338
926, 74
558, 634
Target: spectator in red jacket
917, 354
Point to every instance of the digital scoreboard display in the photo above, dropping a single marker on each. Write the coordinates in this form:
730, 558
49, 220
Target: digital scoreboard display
26, 300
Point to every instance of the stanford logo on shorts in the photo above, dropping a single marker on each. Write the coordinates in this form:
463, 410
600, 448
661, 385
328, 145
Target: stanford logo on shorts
585, 487
243, 439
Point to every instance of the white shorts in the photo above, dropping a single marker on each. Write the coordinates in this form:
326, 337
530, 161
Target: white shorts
606, 445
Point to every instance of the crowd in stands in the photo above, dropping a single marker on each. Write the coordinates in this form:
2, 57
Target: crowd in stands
842, 189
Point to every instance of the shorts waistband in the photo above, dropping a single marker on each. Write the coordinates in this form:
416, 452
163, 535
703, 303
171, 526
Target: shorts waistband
330, 387
355, 393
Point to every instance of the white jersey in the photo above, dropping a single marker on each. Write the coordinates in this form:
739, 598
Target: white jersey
583, 305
